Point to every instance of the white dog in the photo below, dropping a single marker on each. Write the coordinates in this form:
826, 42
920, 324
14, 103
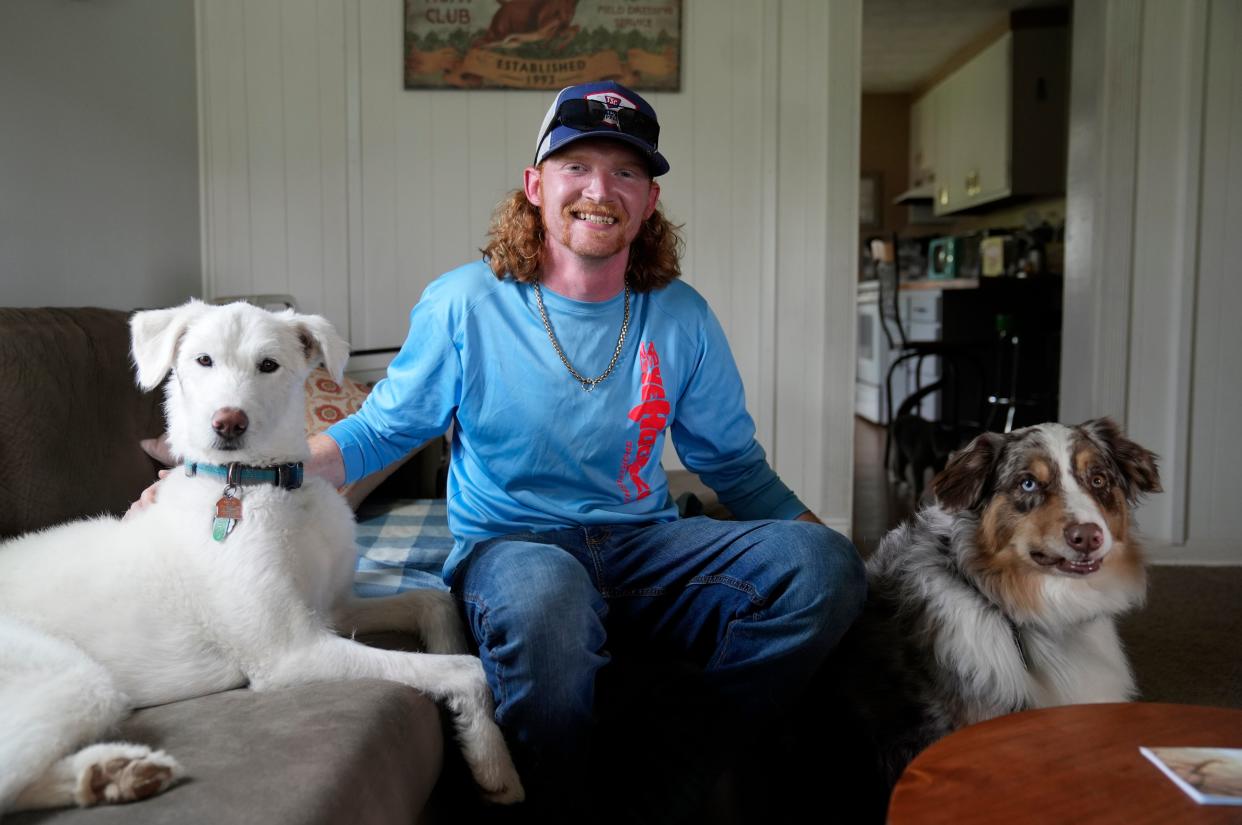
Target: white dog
209, 588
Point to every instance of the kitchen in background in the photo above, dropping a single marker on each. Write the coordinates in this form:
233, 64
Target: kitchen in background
962, 219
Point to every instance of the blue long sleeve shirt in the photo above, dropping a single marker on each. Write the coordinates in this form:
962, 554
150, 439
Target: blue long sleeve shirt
532, 450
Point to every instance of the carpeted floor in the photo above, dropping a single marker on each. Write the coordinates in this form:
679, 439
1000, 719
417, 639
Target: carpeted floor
1184, 644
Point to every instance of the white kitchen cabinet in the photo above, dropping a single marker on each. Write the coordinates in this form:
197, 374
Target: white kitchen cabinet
952, 135
999, 120
977, 146
987, 175
923, 125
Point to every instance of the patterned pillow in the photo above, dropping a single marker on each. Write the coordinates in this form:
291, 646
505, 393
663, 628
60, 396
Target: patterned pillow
328, 401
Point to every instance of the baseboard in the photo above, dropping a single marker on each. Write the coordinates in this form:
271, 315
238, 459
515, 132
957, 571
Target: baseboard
1207, 552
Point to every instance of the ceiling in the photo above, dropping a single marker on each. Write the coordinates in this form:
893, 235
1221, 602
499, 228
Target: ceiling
905, 41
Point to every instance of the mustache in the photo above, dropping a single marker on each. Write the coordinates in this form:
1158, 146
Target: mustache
597, 209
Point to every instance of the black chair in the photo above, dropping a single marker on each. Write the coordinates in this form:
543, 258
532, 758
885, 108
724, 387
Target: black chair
1007, 395
917, 442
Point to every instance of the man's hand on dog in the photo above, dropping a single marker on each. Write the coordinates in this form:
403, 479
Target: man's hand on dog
157, 448
146, 499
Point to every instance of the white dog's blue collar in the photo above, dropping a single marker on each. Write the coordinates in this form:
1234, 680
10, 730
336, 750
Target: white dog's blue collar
288, 476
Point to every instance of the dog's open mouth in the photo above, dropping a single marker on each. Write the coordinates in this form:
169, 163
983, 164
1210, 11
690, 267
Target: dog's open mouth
1084, 567
228, 444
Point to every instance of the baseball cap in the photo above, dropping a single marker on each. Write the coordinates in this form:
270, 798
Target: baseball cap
602, 109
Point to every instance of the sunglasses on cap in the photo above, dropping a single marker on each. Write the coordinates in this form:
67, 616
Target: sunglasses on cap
592, 115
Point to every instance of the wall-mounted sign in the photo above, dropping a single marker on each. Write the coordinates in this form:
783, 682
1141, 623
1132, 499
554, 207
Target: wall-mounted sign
542, 44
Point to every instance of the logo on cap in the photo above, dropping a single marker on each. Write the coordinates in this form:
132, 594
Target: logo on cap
614, 102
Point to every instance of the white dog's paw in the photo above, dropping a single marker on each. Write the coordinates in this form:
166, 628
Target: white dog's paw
490, 762
115, 772
482, 743
492, 767
499, 782
485, 749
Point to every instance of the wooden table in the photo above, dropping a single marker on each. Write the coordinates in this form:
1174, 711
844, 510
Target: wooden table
1075, 764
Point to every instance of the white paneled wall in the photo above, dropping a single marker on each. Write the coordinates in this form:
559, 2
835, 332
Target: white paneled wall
1153, 279
273, 124
816, 232
324, 178
1213, 519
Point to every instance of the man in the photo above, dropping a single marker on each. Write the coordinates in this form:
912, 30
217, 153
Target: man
562, 360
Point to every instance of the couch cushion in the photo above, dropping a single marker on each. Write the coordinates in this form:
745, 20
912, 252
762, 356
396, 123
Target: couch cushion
72, 416
359, 752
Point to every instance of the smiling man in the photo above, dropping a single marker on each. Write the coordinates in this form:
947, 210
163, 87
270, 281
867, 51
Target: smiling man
563, 359
594, 196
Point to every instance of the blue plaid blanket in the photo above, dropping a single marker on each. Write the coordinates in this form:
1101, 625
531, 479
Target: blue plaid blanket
402, 546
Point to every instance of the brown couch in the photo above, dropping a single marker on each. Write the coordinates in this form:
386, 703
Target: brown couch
355, 752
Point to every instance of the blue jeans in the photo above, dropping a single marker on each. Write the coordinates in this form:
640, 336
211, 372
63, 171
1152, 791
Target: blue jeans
757, 605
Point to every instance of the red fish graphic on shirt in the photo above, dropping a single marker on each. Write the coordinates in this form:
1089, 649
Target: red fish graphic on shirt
651, 414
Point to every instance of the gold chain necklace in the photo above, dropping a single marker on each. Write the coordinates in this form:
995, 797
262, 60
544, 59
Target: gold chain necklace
588, 384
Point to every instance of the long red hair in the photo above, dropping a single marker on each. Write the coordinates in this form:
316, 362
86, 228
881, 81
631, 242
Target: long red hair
516, 246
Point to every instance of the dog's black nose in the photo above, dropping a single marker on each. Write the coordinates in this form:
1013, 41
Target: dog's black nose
229, 422
1084, 537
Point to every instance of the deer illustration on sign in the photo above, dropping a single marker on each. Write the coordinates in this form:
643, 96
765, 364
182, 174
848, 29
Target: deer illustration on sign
518, 22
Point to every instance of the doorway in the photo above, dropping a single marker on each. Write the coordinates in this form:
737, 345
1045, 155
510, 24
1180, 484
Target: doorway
928, 77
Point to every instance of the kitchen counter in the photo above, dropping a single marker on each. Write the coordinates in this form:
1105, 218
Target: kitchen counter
948, 283
922, 284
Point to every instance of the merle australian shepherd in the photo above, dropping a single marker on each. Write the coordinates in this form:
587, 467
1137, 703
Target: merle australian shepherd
999, 597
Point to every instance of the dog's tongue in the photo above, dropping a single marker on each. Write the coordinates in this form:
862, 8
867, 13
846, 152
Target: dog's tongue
1079, 568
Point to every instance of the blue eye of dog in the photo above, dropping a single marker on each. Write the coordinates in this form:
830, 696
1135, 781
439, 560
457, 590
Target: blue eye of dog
1028, 485
204, 360
268, 365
